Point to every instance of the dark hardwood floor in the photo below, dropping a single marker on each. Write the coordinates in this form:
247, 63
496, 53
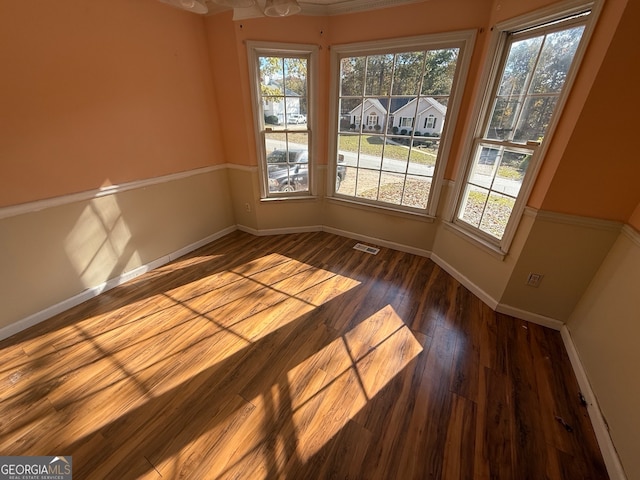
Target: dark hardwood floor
295, 357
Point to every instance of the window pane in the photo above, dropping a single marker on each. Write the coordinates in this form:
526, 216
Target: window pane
271, 76
408, 73
352, 76
496, 214
520, 63
475, 199
367, 183
555, 60
503, 118
535, 118
421, 162
274, 112
391, 187
379, 74
485, 166
393, 161
295, 76
440, 68
416, 191
371, 151
287, 161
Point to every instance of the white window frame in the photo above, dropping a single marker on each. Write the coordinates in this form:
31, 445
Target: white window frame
406, 122
256, 49
482, 109
465, 41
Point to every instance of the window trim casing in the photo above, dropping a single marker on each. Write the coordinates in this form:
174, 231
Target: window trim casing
464, 40
255, 49
482, 106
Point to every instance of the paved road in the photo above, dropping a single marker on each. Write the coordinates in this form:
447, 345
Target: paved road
501, 185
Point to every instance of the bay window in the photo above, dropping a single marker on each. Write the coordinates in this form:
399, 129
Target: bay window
402, 84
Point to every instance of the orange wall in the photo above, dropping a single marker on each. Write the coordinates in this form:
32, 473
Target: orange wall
634, 219
101, 92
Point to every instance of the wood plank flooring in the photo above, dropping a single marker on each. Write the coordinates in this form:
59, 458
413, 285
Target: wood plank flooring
295, 357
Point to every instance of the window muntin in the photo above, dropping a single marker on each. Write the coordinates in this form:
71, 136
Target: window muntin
527, 90
281, 78
393, 162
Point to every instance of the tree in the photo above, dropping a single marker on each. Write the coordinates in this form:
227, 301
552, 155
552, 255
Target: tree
284, 77
533, 76
440, 67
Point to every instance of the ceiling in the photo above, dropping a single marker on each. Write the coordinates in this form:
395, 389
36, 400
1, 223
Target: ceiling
313, 7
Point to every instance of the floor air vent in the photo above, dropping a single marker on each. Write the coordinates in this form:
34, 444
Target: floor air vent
366, 248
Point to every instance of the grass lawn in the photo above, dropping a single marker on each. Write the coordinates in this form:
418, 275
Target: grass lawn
370, 145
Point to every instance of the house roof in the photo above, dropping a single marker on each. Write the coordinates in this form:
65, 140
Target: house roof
430, 103
398, 104
374, 102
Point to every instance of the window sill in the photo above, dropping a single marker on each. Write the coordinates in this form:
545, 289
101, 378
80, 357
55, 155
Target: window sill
385, 209
312, 198
479, 242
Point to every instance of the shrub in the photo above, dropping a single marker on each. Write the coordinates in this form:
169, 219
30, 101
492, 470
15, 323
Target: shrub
271, 119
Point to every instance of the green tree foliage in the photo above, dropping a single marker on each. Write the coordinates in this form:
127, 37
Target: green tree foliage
399, 74
284, 76
440, 67
534, 74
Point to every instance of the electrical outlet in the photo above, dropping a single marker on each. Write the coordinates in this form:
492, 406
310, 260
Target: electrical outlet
534, 279
247, 207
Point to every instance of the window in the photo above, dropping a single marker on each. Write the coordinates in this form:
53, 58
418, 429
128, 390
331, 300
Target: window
372, 120
430, 122
406, 122
525, 96
394, 165
283, 98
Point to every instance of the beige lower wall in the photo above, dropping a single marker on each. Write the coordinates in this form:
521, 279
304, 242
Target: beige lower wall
51, 255
605, 327
567, 250
267, 216
481, 270
392, 228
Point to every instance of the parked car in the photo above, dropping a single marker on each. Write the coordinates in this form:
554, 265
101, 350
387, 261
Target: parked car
290, 173
297, 118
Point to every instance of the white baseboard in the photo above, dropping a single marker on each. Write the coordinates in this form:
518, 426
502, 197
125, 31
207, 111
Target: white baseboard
530, 316
342, 233
477, 291
38, 317
378, 241
279, 231
611, 458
